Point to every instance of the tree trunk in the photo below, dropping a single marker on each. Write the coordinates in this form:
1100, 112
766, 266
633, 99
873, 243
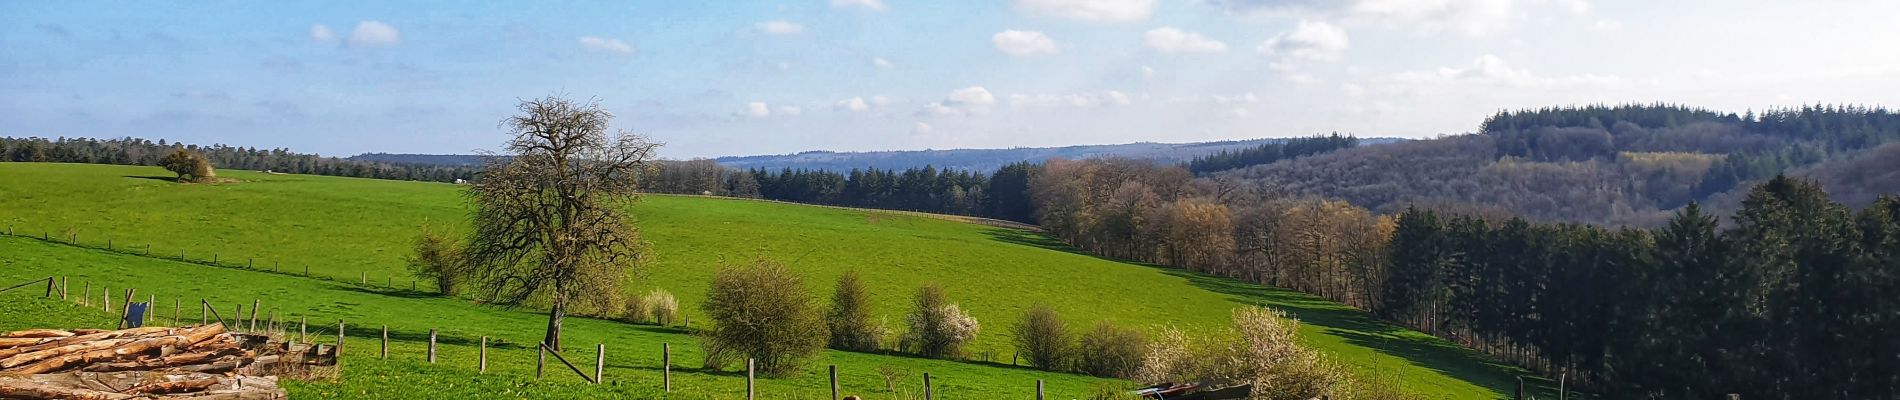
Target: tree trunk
553, 338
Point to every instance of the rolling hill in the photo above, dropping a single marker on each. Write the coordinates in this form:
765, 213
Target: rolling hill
350, 230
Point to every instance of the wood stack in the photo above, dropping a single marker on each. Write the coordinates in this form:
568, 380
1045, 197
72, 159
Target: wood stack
153, 362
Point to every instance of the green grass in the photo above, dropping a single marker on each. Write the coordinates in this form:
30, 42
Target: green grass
343, 228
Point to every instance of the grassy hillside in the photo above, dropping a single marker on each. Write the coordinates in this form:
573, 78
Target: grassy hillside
343, 228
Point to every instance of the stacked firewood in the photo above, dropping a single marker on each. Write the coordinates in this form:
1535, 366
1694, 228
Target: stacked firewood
200, 361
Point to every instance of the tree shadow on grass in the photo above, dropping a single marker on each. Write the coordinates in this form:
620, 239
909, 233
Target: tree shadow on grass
1355, 326
156, 178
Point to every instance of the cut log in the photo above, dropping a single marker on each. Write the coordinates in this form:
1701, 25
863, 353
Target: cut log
36, 333
167, 361
23, 359
175, 386
21, 389
81, 338
52, 360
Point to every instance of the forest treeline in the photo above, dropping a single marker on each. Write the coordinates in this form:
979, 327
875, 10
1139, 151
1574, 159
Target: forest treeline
1268, 153
135, 151
1792, 300
1617, 165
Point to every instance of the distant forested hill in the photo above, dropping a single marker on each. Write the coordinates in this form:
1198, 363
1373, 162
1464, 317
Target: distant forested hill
1627, 164
984, 160
978, 160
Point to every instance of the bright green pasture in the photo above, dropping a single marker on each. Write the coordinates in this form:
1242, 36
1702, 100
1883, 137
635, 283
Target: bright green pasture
346, 228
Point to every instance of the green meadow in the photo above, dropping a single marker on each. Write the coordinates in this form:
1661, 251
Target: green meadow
266, 229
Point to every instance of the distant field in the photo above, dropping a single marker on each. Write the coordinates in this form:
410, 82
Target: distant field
343, 228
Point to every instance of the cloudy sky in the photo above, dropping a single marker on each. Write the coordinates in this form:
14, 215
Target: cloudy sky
761, 77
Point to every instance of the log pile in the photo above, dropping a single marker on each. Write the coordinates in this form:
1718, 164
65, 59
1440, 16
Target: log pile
152, 362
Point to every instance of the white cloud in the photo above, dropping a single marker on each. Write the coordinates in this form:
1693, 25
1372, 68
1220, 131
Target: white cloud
1082, 100
1352, 90
1089, 10
880, 101
865, 4
322, 33
1491, 69
780, 27
1311, 40
880, 62
1147, 72
852, 104
1575, 6
920, 128
374, 34
1469, 17
1607, 25
974, 100
1023, 43
790, 111
1171, 40
758, 109
605, 44
1237, 99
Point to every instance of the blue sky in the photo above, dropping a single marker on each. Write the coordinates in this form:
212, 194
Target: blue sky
758, 77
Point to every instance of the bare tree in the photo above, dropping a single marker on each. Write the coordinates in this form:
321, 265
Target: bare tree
550, 217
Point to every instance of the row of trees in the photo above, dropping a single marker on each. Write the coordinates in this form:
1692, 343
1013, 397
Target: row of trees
1269, 153
135, 151
1001, 195
1790, 302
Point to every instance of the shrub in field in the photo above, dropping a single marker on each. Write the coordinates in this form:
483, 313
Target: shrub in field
1110, 351
1262, 350
850, 317
937, 329
661, 305
761, 311
437, 258
636, 311
1043, 338
1269, 355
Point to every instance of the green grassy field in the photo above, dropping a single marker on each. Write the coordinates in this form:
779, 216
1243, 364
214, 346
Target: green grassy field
344, 229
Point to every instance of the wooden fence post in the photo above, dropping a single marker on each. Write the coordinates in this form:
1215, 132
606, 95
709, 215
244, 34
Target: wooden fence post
926, 386
600, 362
85, 294
339, 339
303, 329
484, 356
385, 353
1038, 389
237, 318
666, 367
178, 307
203, 317
432, 346
365, 278
254, 307
750, 391
540, 359
62, 288
151, 308
105, 302
833, 369
49, 287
